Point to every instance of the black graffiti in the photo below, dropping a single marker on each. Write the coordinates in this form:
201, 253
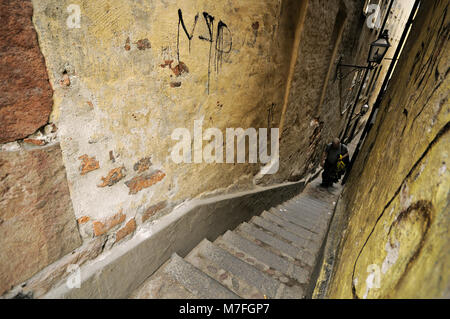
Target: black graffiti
209, 20
221, 46
210, 24
190, 36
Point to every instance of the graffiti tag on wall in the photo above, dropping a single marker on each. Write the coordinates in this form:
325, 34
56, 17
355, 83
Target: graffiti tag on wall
220, 40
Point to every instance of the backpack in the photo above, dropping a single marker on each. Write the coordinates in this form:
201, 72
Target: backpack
340, 163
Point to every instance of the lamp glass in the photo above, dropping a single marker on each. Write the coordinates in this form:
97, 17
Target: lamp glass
378, 50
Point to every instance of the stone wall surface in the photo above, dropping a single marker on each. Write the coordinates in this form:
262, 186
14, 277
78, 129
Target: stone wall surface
26, 94
37, 222
312, 114
396, 203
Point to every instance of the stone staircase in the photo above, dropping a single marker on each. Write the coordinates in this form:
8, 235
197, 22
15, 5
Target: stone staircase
271, 256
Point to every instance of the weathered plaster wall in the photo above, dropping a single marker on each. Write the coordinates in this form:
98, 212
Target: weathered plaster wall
397, 198
127, 91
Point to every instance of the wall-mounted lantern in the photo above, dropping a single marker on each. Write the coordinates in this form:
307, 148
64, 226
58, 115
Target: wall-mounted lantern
379, 48
377, 52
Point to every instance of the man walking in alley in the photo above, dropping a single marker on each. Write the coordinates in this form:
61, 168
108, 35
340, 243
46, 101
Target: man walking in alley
335, 155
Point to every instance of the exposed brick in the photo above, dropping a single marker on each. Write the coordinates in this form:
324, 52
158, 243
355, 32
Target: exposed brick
103, 227
113, 177
143, 165
127, 44
140, 182
129, 228
88, 164
180, 69
175, 84
65, 80
34, 141
167, 63
143, 44
26, 95
83, 220
111, 157
152, 210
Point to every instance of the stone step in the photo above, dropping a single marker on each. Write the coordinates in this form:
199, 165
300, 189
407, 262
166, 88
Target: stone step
243, 248
292, 217
252, 261
241, 272
284, 234
309, 211
240, 231
162, 286
199, 258
196, 281
223, 276
312, 202
293, 228
287, 250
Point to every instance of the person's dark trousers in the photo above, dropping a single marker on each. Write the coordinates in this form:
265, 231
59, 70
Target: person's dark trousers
328, 175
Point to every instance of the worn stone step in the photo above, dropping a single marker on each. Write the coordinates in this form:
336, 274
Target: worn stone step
294, 289
241, 270
282, 246
312, 202
320, 203
311, 212
195, 280
224, 277
306, 214
308, 211
290, 237
307, 222
293, 228
241, 232
244, 248
298, 220
162, 286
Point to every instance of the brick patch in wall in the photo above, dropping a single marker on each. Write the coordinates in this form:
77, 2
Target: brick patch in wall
140, 182
103, 227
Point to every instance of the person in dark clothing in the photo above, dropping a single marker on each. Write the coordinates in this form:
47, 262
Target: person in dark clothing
334, 152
